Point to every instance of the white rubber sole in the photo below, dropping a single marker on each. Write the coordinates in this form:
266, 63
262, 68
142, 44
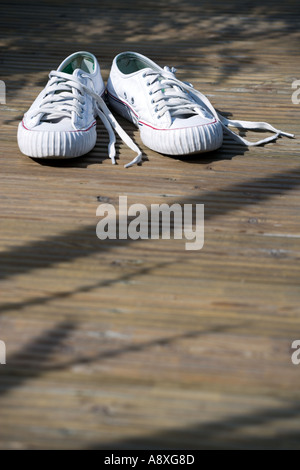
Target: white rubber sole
56, 145
183, 141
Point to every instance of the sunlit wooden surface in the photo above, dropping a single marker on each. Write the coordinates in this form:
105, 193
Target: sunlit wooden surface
143, 344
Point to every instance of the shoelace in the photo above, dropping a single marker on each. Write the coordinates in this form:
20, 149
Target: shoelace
64, 96
169, 96
176, 97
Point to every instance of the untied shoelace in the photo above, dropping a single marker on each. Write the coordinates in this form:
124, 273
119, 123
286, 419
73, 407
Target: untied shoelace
64, 95
178, 102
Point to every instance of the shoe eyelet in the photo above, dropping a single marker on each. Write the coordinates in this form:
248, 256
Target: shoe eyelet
150, 93
132, 100
144, 75
125, 95
152, 101
148, 84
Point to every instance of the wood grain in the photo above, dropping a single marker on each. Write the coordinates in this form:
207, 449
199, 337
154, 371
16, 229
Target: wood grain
141, 344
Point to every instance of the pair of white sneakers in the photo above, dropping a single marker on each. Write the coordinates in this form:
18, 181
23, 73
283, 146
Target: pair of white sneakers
173, 118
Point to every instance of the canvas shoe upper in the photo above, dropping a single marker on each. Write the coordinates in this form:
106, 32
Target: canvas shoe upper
61, 121
172, 116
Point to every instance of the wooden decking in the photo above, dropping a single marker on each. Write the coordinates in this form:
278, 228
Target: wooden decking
141, 344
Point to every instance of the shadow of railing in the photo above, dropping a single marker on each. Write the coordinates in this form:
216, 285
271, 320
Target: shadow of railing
239, 432
83, 242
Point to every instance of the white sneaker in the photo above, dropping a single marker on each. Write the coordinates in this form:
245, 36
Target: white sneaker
61, 121
173, 117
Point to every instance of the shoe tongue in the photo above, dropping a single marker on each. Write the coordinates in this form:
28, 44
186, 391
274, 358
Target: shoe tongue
141, 72
77, 73
69, 69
